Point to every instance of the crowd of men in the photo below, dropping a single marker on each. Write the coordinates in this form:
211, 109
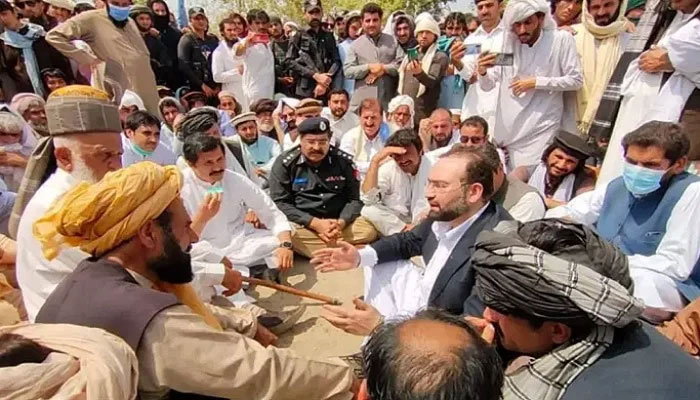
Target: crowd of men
519, 188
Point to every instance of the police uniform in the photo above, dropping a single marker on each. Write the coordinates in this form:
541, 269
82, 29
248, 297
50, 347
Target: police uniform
313, 52
330, 190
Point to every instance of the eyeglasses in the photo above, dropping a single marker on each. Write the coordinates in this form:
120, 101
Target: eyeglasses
472, 139
443, 187
22, 4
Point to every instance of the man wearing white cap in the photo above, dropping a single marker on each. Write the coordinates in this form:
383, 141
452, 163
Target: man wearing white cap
401, 113
420, 73
543, 66
60, 9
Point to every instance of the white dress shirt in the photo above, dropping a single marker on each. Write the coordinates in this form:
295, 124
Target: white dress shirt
259, 72
654, 276
37, 276
341, 126
447, 239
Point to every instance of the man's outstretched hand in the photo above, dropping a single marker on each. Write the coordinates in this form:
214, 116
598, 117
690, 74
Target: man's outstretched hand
359, 321
341, 258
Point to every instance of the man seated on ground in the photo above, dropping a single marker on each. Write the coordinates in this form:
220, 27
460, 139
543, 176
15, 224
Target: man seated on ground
394, 189
646, 212
342, 120
437, 132
560, 299
431, 356
562, 173
400, 113
137, 282
263, 110
207, 185
260, 150
315, 185
16, 145
522, 201
473, 132
141, 141
206, 121
366, 140
305, 109
44, 361
84, 150
459, 187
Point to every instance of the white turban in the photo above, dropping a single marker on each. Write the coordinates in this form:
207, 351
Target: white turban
289, 102
402, 100
518, 10
130, 99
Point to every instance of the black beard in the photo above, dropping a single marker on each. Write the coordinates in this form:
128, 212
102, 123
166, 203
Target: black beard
174, 265
246, 141
453, 212
118, 24
142, 29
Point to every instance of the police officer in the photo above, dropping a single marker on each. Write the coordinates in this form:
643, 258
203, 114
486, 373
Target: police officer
313, 56
316, 186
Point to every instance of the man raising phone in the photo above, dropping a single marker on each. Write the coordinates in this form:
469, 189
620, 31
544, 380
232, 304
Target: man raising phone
531, 82
259, 63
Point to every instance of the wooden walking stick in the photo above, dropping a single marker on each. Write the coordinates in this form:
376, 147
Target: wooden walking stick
291, 290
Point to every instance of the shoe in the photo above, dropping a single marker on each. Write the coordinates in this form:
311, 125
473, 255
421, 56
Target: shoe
272, 275
257, 271
280, 322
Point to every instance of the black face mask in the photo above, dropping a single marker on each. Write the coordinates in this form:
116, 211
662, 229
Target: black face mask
161, 22
174, 265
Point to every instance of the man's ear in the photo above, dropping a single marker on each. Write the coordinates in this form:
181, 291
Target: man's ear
149, 235
475, 193
679, 166
128, 133
561, 333
64, 158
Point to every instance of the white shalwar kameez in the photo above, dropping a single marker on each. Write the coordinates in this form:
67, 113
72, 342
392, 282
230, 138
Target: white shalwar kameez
400, 288
398, 199
478, 101
645, 99
227, 232
259, 72
225, 69
362, 149
524, 125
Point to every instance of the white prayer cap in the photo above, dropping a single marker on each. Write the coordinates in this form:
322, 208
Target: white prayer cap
130, 99
427, 23
401, 100
287, 101
518, 10
422, 16
65, 4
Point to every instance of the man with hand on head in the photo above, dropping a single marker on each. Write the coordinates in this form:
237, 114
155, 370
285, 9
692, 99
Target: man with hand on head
394, 189
316, 186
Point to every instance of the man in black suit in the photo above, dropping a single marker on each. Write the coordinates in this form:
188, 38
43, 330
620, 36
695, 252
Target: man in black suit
459, 188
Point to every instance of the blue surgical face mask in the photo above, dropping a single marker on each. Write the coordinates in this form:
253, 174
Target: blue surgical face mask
119, 13
641, 181
139, 150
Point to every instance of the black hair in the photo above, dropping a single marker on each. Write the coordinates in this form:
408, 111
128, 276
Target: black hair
399, 371
257, 15
667, 136
196, 144
140, 118
372, 8
276, 20
476, 120
490, 154
456, 17
553, 146
6, 6
339, 91
478, 169
82, 7
228, 20
405, 138
16, 350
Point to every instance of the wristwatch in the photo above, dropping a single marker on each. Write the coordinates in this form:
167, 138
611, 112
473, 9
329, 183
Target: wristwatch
286, 245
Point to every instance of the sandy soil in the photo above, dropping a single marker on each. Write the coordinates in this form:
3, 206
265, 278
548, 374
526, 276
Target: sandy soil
312, 335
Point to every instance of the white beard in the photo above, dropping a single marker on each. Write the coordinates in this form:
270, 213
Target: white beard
394, 126
82, 173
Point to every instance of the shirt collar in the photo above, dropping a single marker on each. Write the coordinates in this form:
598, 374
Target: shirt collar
327, 159
442, 230
140, 279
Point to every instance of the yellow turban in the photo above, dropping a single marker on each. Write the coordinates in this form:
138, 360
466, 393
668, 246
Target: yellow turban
98, 217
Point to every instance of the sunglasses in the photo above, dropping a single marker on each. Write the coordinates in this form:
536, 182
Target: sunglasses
22, 4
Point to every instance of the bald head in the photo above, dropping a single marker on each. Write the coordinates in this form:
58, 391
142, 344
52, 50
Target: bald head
441, 126
433, 355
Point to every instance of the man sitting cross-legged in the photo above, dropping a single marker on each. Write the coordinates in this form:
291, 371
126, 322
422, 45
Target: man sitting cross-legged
394, 189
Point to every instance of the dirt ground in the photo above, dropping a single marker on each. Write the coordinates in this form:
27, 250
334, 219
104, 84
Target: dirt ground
312, 335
